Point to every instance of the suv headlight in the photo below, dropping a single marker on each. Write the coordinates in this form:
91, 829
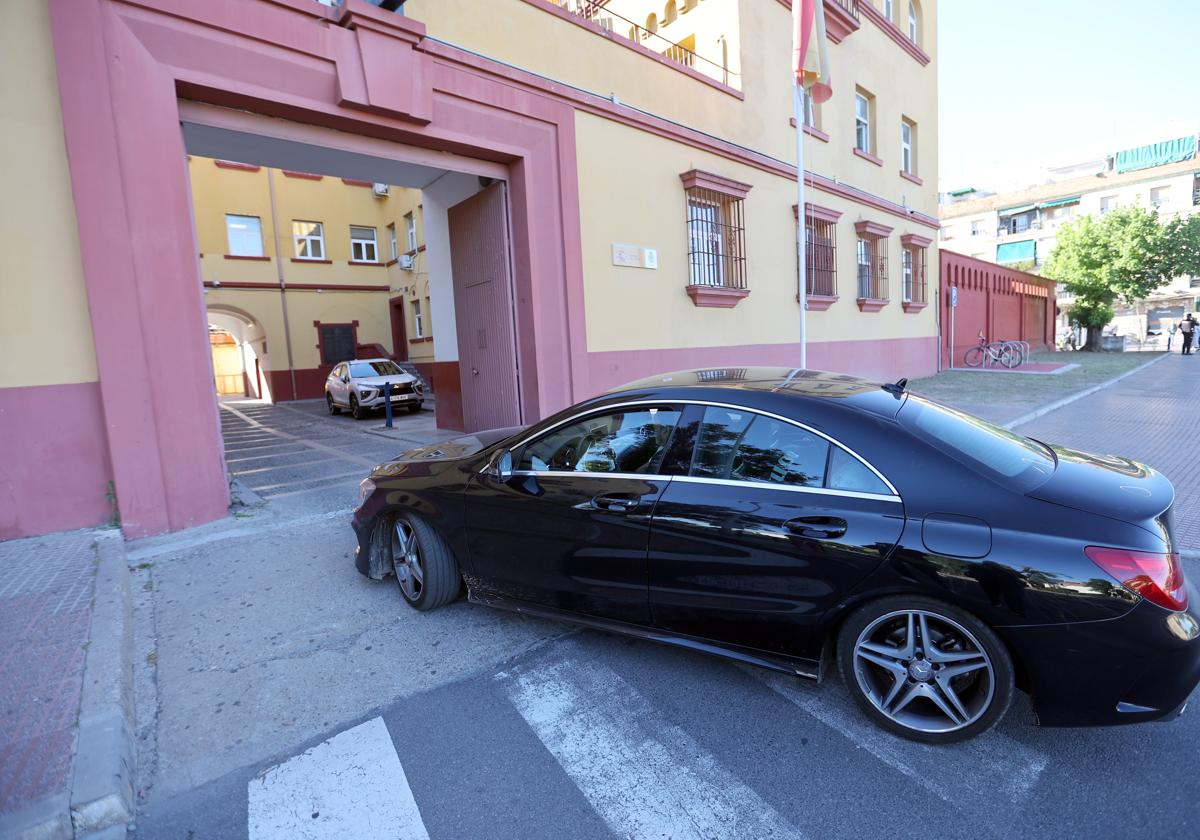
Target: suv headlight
365, 488
366, 393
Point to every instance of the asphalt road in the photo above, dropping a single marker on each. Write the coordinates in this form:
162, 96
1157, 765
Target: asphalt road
280, 694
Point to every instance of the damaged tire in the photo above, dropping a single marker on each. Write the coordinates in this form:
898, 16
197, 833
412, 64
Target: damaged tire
423, 563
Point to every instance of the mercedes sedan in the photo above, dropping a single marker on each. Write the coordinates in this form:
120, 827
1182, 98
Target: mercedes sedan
814, 523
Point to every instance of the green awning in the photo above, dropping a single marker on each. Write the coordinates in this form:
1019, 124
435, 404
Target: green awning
1009, 211
966, 191
1059, 202
1156, 154
1014, 252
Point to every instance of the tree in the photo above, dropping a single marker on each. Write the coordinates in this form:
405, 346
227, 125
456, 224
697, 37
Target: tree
1126, 254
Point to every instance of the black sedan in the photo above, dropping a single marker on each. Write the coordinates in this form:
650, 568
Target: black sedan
805, 521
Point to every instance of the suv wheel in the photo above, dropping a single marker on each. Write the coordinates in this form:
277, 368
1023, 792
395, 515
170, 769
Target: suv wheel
333, 409
356, 410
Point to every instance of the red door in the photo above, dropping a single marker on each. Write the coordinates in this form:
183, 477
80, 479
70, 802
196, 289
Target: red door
483, 310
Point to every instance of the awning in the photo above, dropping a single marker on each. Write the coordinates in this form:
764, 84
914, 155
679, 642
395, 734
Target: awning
1013, 210
1059, 202
1014, 252
966, 191
1156, 154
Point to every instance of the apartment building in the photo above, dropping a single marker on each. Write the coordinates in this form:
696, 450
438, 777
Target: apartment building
605, 190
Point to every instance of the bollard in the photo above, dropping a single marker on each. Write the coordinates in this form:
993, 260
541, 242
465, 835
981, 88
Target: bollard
387, 403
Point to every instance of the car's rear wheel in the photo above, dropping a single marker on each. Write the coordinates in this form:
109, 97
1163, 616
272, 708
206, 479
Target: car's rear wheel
424, 565
333, 409
356, 410
925, 670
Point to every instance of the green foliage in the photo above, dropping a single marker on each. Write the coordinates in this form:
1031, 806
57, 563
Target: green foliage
1125, 254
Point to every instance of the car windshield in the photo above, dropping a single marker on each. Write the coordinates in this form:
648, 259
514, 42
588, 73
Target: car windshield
1005, 457
383, 368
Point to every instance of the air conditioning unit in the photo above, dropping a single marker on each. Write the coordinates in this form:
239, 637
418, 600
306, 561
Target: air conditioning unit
406, 262
380, 189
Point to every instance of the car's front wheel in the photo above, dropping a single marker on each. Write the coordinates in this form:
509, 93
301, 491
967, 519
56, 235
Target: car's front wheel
356, 410
333, 409
424, 565
925, 670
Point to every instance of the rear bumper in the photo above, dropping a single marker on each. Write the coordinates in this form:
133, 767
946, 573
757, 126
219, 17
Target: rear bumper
1142, 666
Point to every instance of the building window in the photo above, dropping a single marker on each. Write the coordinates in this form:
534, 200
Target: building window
418, 320
889, 10
716, 230
309, 238
410, 229
671, 13
977, 228
808, 109
245, 235
863, 106
362, 244
820, 256
337, 342
871, 258
1107, 202
914, 257
1160, 196
392, 241
908, 140
652, 23
914, 26
1196, 189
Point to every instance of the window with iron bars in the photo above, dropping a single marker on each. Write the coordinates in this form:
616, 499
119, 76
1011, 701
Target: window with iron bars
821, 257
913, 272
716, 239
872, 268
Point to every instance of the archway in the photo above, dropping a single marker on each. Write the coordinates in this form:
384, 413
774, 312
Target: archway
238, 363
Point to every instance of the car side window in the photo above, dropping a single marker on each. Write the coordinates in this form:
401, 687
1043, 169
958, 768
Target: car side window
848, 473
720, 432
339, 370
621, 442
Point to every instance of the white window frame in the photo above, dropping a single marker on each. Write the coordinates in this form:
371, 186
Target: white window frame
862, 251
977, 227
394, 243
808, 109
906, 146
1160, 195
410, 230
239, 249
862, 123
418, 319
913, 24
706, 263
1108, 203
317, 237
362, 249
889, 10
906, 274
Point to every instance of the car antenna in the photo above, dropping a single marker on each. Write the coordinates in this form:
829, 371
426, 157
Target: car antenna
896, 387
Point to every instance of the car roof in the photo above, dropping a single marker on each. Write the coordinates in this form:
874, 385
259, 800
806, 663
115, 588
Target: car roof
814, 385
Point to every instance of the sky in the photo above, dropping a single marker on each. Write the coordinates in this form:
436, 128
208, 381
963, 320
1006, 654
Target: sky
1024, 84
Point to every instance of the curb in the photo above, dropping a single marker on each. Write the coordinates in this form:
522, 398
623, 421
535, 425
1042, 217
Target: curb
102, 782
1087, 392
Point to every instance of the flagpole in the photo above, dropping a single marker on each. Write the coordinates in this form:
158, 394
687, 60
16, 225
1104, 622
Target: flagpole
801, 217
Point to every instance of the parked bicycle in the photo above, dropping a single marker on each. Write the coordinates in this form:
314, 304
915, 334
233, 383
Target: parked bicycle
1007, 354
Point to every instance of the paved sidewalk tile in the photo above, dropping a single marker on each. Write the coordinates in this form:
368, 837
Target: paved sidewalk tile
46, 586
1152, 417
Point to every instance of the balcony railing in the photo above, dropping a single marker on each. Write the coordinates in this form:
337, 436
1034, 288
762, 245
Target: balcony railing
851, 7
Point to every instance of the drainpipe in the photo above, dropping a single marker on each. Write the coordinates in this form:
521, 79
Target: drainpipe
287, 332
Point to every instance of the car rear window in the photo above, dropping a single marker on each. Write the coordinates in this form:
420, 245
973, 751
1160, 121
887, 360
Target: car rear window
1005, 457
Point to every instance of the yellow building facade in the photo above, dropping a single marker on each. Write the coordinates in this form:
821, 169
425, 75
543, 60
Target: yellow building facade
644, 159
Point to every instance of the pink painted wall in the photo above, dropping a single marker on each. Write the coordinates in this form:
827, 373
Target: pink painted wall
55, 470
884, 360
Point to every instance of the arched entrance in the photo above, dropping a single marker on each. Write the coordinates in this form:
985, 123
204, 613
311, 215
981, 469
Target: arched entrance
133, 69
238, 347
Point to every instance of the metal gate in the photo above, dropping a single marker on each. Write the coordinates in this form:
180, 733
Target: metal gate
483, 310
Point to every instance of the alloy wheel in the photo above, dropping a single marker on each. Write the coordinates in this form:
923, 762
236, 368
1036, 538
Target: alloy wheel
406, 560
924, 671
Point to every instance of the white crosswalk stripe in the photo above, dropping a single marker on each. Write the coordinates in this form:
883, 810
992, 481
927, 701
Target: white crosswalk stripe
976, 768
645, 777
350, 786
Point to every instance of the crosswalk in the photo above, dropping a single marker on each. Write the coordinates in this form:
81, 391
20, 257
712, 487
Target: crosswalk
641, 769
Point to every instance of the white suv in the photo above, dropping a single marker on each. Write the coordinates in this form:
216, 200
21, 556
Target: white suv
359, 387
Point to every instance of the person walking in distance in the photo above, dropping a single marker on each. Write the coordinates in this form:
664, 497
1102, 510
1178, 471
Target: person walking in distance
1188, 327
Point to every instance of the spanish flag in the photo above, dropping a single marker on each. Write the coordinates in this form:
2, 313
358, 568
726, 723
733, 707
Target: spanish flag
810, 61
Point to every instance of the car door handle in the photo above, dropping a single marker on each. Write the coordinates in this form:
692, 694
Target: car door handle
818, 527
616, 504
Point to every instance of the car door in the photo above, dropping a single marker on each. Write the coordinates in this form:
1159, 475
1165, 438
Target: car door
768, 527
334, 384
568, 529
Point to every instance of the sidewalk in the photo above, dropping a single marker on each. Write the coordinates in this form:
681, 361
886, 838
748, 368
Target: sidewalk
1152, 417
46, 591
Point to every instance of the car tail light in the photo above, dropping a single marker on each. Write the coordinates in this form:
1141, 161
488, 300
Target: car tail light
1156, 577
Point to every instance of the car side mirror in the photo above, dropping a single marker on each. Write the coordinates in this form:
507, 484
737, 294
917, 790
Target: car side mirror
346, 378
500, 467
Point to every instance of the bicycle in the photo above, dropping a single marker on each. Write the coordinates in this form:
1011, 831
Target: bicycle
1005, 353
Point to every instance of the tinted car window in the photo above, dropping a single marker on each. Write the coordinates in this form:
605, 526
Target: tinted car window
1005, 457
720, 432
848, 473
780, 453
383, 368
622, 442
